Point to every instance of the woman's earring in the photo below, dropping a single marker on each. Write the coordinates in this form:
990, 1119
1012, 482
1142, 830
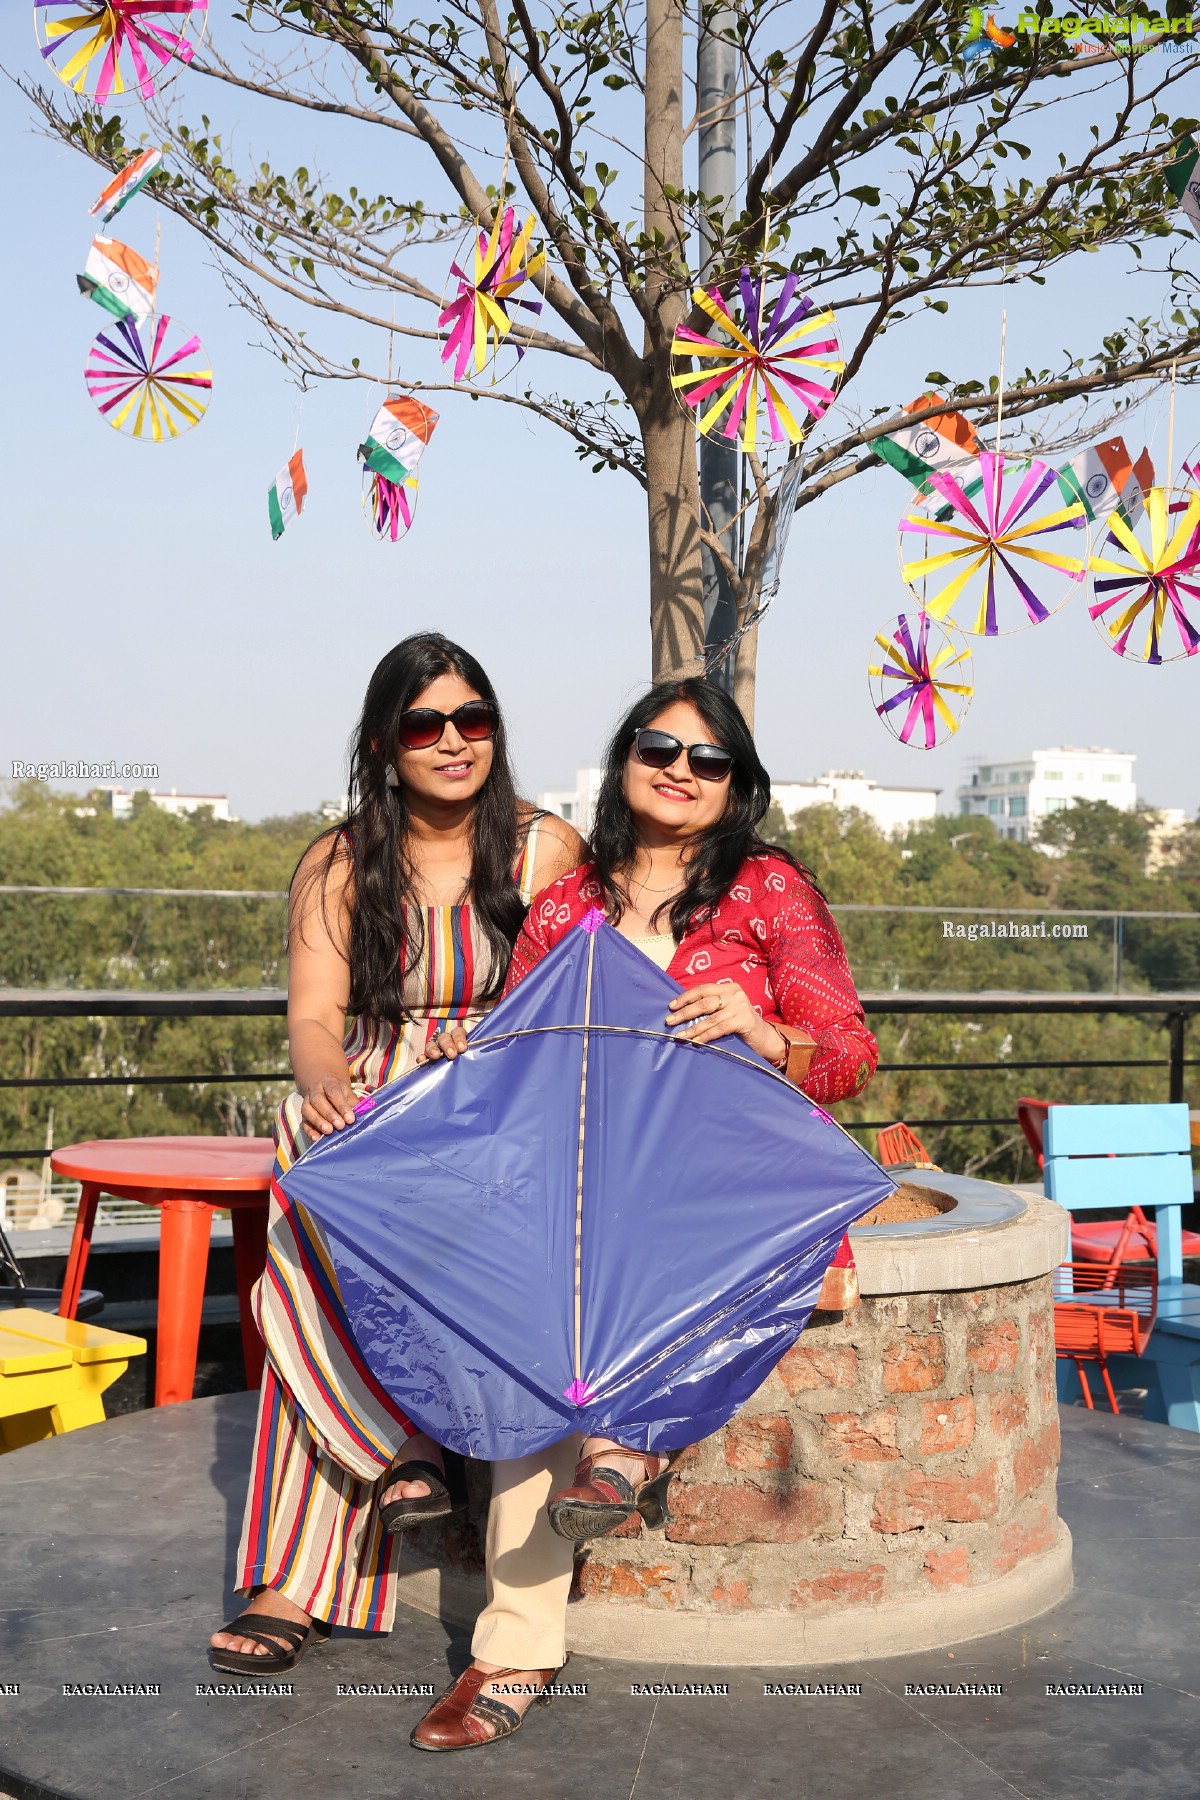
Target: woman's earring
390, 776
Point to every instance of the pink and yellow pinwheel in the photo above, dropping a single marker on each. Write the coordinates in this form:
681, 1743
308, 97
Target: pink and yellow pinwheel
390, 505
110, 49
921, 681
150, 382
997, 551
1147, 600
767, 374
479, 319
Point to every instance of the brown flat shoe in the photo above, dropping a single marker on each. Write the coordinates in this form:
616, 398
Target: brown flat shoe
601, 1498
460, 1719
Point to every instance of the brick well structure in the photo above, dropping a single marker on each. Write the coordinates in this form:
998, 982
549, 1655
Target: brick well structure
892, 1484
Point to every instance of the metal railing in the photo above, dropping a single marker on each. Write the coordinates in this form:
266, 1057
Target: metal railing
1173, 1010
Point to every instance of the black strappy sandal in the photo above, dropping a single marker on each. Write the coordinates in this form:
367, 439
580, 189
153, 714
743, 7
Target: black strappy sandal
447, 1491
264, 1630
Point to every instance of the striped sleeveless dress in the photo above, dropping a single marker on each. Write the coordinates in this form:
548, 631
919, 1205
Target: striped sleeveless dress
326, 1430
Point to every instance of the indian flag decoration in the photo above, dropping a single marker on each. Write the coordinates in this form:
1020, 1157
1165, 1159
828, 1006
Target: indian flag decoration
943, 441
285, 501
1183, 179
1105, 477
125, 184
119, 280
393, 448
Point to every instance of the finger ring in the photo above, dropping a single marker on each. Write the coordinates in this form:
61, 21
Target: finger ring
718, 1003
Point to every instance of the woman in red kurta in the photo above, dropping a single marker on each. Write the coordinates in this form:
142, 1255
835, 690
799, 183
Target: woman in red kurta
679, 869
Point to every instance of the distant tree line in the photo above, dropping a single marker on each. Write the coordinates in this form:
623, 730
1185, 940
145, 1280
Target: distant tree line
1098, 864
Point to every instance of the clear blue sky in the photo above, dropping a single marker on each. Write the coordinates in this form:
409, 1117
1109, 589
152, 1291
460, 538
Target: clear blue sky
150, 618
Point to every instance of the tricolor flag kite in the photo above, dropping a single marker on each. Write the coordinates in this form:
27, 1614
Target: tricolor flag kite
944, 441
1104, 477
1183, 179
285, 501
119, 280
126, 183
399, 433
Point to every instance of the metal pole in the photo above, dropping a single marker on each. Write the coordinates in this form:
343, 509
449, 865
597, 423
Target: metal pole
716, 72
1176, 1027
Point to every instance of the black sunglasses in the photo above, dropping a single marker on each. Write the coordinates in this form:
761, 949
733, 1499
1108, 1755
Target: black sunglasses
658, 750
422, 726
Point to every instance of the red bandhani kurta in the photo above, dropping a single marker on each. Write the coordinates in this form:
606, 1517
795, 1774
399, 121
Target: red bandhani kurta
773, 935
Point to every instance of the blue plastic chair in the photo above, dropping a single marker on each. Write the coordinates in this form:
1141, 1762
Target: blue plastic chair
1114, 1157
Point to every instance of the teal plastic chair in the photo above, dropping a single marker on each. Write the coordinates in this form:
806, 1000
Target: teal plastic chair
1116, 1157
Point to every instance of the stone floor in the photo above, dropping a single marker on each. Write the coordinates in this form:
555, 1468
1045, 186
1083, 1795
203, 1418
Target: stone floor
115, 1558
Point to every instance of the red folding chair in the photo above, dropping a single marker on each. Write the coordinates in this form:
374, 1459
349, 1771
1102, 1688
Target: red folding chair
898, 1147
1117, 1321
1031, 1117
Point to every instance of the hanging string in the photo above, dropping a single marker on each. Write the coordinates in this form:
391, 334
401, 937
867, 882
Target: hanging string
1170, 476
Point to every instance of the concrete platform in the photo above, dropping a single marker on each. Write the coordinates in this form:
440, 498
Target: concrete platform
115, 1557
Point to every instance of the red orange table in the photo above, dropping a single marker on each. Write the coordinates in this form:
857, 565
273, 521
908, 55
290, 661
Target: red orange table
187, 1177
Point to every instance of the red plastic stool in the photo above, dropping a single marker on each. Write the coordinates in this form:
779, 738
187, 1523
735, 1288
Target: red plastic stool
187, 1177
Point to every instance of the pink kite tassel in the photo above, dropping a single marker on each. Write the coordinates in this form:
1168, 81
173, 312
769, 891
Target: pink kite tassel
592, 920
365, 1105
579, 1393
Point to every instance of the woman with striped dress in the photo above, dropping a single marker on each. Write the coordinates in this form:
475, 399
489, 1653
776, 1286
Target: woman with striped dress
404, 919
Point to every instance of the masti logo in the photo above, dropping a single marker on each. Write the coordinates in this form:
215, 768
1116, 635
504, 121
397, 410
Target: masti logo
985, 36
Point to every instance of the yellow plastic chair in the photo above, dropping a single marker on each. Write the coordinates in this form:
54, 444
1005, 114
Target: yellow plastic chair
54, 1373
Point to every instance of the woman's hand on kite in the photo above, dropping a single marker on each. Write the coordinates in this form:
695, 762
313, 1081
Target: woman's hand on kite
722, 1009
328, 1106
449, 1044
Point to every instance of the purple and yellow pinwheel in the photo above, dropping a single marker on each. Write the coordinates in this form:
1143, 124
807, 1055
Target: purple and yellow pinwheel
922, 678
150, 382
111, 49
1147, 601
774, 360
479, 319
994, 547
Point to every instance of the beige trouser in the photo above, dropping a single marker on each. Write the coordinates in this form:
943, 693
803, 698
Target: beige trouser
312, 1531
523, 1625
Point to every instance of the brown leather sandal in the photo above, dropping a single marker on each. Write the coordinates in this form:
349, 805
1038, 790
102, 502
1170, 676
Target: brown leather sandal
460, 1719
602, 1498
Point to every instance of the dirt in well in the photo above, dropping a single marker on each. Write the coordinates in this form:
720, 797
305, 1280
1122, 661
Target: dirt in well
909, 1202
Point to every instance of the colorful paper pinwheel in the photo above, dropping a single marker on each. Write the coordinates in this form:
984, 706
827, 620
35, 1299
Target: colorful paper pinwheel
479, 319
994, 545
107, 49
1146, 599
149, 383
390, 505
921, 678
766, 367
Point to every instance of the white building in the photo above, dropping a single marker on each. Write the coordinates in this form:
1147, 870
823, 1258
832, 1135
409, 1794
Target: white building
576, 805
179, 804
1017, 796
892, 808
849, 790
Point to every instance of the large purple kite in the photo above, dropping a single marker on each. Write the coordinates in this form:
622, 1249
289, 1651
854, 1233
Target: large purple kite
583, 1224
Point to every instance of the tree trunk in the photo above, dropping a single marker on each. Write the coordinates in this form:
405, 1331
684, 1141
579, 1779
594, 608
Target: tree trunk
673, 508
744, 672
668, 436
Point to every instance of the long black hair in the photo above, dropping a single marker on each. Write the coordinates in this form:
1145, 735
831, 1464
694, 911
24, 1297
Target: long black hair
720, 851
385, 942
